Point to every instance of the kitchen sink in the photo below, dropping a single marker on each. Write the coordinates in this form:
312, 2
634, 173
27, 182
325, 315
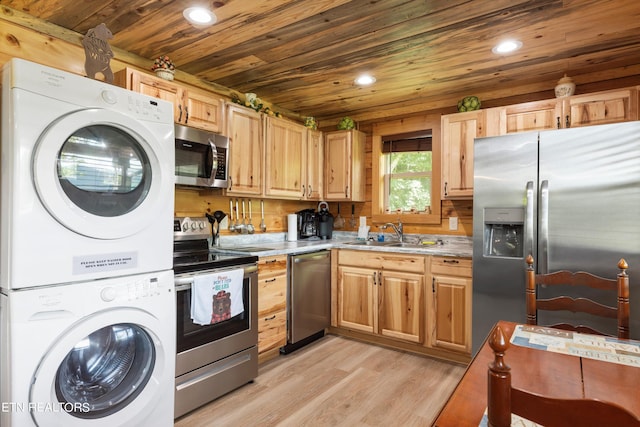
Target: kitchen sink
425, 244
369, 243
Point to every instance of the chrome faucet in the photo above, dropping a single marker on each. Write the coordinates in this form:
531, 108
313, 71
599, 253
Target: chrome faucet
396, 228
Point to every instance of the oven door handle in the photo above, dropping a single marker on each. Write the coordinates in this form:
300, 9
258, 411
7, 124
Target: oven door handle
183, 283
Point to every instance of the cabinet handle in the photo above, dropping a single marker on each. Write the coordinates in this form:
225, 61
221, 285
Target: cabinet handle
346, 191
230, 182
445, 189
180, 114
186, 115
309, 191
303, 191
270, 261
567, 123
375, 282
451, 261
380, 279
269, 280
266, 319
558, 124
433, 285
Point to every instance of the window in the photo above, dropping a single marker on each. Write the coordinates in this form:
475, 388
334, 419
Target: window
407, 162
406, 170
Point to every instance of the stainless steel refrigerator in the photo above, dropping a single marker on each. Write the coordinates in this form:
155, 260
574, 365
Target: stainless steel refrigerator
569, 197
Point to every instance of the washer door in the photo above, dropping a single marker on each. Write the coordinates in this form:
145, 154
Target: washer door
97, 173
111, 373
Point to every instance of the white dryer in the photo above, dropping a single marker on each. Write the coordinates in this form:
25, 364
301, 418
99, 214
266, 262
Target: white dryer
100, 353
87, 179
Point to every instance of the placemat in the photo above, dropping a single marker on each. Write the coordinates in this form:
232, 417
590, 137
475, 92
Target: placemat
607, 349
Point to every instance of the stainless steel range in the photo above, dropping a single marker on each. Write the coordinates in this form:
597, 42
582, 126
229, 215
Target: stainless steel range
219, 354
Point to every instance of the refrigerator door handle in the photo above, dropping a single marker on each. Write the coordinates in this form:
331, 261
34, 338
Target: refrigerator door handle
528, 219
543, 255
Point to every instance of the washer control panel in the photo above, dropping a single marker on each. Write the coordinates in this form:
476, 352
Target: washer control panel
133, 290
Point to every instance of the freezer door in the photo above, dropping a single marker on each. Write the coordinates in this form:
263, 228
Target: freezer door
591, 217
504, 228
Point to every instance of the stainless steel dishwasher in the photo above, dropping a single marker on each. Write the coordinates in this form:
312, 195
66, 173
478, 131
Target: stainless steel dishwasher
308, 298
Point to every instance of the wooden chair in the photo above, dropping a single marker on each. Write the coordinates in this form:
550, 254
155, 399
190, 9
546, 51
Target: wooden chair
584, 305
504, 400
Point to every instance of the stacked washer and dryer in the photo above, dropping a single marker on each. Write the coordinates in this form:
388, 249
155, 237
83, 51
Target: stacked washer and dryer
87, 300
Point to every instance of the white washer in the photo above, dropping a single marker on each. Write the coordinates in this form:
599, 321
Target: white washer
105, 348
87, 179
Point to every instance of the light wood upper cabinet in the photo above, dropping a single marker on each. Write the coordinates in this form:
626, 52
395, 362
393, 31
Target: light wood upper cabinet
458, 133
315, 165
344, 170
246, 160
530, 116
382, 293
451, 289
286, 159
191, 106
596, 108
599, 108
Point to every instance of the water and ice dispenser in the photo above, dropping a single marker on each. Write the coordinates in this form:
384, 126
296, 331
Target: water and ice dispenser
504, 232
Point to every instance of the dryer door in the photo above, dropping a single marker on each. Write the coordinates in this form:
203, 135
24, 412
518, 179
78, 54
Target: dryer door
97, 173
116, 373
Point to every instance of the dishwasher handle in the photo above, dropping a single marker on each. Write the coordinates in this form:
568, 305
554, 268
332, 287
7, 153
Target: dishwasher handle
315, 256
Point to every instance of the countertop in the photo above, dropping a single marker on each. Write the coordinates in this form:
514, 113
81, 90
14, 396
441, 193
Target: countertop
268, 244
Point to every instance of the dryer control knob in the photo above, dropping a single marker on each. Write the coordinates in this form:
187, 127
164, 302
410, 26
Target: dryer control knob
108, 294
109, 97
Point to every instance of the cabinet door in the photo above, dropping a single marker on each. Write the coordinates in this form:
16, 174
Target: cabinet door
602, 108
315, 165
401, 311
245, 132
158, 88
452, 310
338, 170
203, 111
458, 132
530, 116
357, 299
286, 153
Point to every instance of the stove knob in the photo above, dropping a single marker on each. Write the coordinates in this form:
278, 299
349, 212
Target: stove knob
201, 225
193, 225
185, 226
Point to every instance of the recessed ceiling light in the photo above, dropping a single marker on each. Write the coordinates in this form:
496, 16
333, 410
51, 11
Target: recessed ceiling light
199, 16
365, 80
507, 46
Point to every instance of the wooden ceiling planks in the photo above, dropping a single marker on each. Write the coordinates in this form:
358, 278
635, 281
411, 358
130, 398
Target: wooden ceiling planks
302, 55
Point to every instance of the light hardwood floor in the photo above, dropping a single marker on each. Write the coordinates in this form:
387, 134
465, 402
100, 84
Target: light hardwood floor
336, 381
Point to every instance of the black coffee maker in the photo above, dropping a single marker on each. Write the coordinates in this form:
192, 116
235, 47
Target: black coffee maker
325, 221
307, 223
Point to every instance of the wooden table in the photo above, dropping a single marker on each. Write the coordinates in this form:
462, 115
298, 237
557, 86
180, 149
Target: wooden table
544, 372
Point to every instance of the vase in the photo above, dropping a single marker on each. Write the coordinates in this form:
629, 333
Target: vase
165, 74
565, 87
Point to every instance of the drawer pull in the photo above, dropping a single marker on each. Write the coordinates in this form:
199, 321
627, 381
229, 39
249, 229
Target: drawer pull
270, 280
451, 261
266, 319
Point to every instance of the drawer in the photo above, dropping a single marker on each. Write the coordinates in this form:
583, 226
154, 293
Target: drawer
382, 260
272, 265
272, 294
272, 331
451, 266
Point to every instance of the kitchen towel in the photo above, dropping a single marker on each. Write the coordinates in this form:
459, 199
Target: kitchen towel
217, 296
292, 227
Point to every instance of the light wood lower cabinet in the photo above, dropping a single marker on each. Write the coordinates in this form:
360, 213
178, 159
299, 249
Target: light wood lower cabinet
382, 293
272, 305
451, 303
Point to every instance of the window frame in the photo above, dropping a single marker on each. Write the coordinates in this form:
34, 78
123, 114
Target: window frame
394, 127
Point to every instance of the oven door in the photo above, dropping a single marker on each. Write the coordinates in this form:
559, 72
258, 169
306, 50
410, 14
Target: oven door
198, 345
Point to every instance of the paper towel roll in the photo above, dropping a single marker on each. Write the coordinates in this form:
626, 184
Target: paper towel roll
292, 227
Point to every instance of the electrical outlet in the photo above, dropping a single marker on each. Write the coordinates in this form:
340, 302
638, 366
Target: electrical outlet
453, 223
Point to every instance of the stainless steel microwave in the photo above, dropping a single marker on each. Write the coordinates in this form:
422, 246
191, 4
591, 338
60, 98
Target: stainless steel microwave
201, 158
